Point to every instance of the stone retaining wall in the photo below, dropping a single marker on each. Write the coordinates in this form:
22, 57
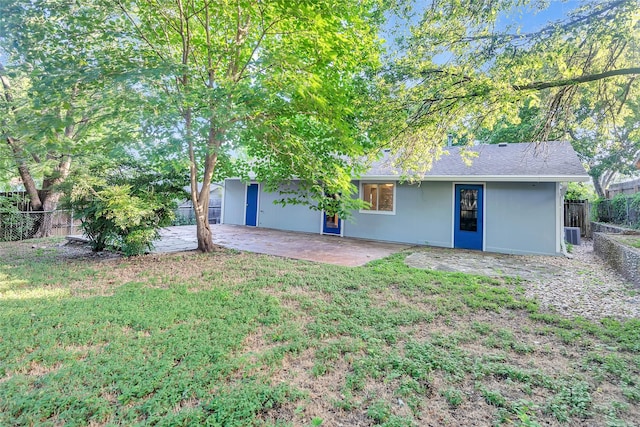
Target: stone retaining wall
624, 259
601, 227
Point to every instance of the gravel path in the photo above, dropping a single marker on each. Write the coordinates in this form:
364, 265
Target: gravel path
582, 285
586, 286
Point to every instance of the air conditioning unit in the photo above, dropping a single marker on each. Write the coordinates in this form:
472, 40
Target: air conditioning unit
572, 235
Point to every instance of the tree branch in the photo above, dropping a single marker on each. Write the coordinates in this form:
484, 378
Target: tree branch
6, 85
549, 28
139, 30
25, 174
578, 80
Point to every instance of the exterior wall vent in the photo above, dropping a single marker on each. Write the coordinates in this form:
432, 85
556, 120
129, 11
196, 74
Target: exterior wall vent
502, 144
572, 235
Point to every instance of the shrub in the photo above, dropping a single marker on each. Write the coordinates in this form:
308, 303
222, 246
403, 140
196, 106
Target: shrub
619, 208
124, 212
596, 210
14, 225
579, 191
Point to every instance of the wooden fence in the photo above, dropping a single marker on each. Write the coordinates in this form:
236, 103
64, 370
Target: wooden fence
577, 214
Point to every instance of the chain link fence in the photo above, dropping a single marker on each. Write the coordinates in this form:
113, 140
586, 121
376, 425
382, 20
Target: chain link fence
621, 210
186, 216
22, 225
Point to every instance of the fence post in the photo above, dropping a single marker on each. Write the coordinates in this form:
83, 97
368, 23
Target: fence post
70, 231
587, 221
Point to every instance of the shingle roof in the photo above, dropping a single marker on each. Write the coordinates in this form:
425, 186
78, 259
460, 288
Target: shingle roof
548, 161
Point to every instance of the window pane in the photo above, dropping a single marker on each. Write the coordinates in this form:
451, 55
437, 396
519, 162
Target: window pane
332, 221
469, 210
385, 200
370, 194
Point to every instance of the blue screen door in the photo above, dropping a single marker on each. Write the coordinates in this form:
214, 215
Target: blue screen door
251, 209
331, 224
468, 224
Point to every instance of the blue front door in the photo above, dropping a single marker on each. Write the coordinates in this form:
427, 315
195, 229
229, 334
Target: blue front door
331, 224
251, 210
468, 226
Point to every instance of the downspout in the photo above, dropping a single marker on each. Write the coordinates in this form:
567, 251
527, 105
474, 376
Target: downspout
562, 190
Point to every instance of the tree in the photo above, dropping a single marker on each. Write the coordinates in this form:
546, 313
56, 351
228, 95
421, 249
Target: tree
60, 94
277, 82
465, 70
608, 141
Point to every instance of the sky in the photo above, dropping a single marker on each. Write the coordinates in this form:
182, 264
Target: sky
530, 22
527, 18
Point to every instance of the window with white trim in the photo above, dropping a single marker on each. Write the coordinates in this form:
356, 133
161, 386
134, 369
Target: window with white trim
380, 196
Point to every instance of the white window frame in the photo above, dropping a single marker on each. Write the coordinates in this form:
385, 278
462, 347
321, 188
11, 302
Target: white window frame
377, 212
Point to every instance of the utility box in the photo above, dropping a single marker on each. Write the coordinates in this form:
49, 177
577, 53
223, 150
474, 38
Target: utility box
572, 235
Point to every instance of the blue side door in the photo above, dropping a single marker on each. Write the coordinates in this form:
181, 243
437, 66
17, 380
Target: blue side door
332, 224
469, 221
251, 209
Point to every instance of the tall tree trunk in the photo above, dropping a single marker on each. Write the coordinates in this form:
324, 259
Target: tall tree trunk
25, 173
203, 230
200, 200
598, 187
50, 195
45, 223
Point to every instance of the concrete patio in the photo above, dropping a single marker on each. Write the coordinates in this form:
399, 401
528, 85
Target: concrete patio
311, 247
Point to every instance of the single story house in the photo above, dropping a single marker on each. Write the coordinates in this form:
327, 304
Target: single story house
509, 200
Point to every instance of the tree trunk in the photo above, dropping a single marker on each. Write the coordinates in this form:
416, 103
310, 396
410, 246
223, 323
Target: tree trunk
203, 230
598, 187
50, 195
45, 225
203, 233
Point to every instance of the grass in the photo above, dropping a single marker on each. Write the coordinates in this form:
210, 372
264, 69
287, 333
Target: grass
235, 339
629, 240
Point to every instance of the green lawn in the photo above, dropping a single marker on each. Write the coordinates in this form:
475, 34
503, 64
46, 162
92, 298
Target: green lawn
240, 339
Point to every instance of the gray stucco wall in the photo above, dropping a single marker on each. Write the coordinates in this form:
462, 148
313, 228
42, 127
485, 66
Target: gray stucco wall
423, 216
289, 217
234, 202
520, 217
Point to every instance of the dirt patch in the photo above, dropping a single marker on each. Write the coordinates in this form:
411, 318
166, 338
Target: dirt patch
579, 285
324, 392
37, 369
482, 263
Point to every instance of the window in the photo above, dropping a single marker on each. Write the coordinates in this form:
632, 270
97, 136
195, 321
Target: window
380, 196
469, 210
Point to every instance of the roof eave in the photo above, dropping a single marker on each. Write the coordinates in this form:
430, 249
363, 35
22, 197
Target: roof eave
485, 178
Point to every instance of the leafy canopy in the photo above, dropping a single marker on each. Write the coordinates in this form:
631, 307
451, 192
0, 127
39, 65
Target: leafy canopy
280, 86
463, 71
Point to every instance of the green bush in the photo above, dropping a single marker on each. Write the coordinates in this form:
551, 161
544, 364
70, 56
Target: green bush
14, 225
124, 212
621, 210
579, 191
596, 206
619, 207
